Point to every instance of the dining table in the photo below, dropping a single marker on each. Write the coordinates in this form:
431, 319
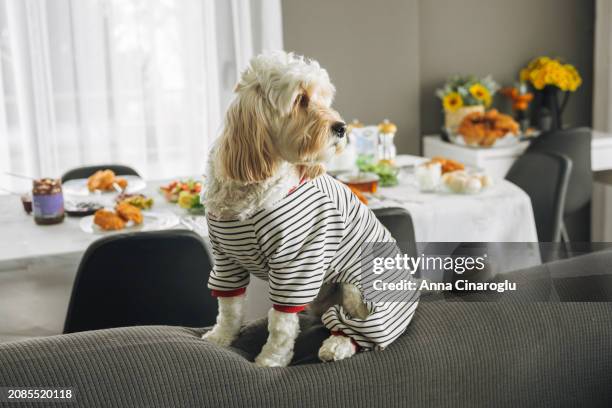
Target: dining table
38, 263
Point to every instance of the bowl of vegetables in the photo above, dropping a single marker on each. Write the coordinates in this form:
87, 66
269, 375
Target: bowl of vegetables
186, 193
385, 170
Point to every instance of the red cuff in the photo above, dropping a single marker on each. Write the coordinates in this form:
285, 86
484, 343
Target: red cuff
228, 293
339, 333
289, 309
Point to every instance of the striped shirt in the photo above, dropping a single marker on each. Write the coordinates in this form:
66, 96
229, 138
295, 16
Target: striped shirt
310, 237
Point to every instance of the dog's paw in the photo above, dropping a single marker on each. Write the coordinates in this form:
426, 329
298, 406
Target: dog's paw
270, 359
219, 337
336, 348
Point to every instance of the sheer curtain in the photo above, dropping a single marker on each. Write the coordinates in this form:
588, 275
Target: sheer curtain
602, 89
139, 82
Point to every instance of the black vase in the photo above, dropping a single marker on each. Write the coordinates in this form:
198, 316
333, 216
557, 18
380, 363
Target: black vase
547, 112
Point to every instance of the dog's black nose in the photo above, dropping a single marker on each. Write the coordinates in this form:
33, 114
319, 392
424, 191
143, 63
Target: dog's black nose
339, 128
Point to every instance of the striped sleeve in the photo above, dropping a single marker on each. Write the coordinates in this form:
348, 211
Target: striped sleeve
300, 240
227, 274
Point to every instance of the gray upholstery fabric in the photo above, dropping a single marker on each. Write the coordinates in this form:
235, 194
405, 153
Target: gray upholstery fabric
455, 354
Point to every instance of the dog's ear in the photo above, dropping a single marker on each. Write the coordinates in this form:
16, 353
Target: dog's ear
246, 150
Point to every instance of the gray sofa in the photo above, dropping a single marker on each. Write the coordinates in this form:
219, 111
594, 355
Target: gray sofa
545, 345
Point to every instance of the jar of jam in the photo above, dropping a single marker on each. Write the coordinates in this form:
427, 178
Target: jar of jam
47, 201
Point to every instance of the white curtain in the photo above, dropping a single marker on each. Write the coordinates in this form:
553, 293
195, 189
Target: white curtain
137, 82
602, 95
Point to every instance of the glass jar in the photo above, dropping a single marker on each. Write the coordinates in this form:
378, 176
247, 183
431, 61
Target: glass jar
386, 148
429, 176
47, 201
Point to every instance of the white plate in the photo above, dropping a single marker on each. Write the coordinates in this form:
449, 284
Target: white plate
151, 222
78, 187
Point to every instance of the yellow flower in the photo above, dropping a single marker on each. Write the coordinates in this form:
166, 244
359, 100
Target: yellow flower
479, 92
452, 101
543, 71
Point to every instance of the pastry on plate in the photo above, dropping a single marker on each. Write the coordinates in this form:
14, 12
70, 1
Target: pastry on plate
484, 129
448, 165
104, 179
108, 220
129, 212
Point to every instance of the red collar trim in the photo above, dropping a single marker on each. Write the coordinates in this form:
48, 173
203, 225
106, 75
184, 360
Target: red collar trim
302, 181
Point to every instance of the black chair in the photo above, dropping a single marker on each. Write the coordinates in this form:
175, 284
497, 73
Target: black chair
84, 172
575, 144
399, 223
146, 278
544, 177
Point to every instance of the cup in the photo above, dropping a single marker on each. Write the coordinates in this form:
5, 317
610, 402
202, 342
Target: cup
429, 176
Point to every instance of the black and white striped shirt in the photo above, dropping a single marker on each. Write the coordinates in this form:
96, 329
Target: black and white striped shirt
311, 236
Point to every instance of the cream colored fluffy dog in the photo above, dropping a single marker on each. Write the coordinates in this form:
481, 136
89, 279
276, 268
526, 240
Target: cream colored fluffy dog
272, 213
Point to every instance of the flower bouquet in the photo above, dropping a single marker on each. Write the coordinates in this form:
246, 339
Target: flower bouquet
462, 95
549, 77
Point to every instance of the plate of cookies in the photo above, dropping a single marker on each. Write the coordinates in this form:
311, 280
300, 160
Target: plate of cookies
125, 217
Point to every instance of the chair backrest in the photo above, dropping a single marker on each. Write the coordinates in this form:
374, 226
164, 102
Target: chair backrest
576, 144
86, 171
399, 223
544, 177
144, 278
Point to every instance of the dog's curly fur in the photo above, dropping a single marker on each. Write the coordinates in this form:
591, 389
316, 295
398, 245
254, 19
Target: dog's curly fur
278, 130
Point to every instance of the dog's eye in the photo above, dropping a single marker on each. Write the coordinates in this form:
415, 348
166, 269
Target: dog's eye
303, 100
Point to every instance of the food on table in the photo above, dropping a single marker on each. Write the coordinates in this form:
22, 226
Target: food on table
386, 172
108, 220
190, 201
137, 200
364, 182
82, 209
104, 180
429, 175
117, 220
463, 182
480, 129
172, 190
129, 212
448, 165
47, 201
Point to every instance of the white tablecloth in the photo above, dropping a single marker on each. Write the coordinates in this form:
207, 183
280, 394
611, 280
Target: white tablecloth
501, 213
38, 263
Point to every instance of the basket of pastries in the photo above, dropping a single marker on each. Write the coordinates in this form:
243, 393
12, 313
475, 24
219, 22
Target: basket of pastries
488, 129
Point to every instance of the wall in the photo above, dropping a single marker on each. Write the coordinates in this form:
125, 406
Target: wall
370, 50
387, 57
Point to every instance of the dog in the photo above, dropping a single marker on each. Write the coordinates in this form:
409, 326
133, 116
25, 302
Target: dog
272, 212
